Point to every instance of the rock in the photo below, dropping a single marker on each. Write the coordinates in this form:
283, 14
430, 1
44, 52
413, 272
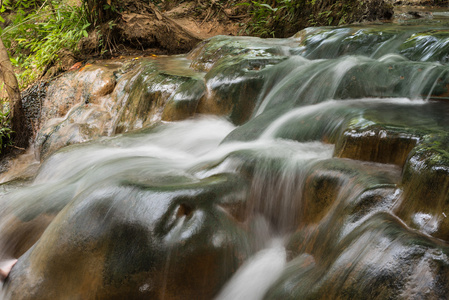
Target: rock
83, 123
427, 46
376, 144
425, 181
344, 186
349, 245
147, 90
381, 259
137, 241
184, 102
86, 85
352, 40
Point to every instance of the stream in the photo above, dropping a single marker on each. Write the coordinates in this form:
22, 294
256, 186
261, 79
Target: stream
312, 167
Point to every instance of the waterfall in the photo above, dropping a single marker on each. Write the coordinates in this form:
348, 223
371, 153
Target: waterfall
309, 167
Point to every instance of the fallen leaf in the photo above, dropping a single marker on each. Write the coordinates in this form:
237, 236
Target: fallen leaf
76, 66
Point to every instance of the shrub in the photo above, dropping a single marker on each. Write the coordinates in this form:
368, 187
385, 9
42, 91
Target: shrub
38, 33
281, 18
5, 129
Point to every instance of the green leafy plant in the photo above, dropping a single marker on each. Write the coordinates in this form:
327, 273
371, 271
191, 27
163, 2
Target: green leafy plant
5, 130
101, 11
266, 15
36, 36
283, 18
262, 15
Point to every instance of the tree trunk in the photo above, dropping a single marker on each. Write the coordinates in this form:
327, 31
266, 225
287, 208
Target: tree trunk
21, 134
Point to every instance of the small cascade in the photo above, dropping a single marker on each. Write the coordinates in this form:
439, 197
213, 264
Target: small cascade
310, 167
247, 282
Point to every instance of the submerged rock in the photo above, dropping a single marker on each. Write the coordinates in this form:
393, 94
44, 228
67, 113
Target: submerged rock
381, 259
426, 187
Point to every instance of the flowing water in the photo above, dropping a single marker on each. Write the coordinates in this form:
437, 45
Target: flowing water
325, 175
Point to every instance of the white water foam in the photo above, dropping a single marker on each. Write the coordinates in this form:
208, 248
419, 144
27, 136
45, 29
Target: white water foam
254, 277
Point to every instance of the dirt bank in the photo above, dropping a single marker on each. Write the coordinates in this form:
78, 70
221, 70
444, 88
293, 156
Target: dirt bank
172, 27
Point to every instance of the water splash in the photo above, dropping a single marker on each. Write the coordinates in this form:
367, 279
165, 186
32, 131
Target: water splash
259, 272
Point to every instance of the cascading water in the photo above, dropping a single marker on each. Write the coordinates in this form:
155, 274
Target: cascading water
326, 176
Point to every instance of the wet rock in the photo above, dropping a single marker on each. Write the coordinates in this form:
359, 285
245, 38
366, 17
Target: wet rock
381, 259
330, 181
423, 45
380, 135
184, 102
147, 91
261, 51
230, 93
235, 76
372, 42
231, 77
137, 241
83, 123
277, 172
427, 46
376, 144
351, 246
97, 108
22, 228
86, 85
426, 184
393, 79
175, 216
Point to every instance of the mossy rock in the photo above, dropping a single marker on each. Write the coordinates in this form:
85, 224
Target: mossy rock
426, 185
427, 46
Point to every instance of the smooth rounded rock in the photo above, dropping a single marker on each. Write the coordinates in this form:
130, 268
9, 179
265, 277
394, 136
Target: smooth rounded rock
137, 241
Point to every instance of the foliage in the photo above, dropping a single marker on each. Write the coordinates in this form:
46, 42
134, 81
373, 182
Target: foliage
265, 13
5, 130
285, 17
39, 31
101, 11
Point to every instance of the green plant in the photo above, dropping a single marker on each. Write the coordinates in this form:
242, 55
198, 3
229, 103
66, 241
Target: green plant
262, 15
282, 18
5, 130
100, 11
35, 37
267, 15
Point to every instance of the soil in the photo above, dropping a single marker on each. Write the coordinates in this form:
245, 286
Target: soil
171, 28
143, 29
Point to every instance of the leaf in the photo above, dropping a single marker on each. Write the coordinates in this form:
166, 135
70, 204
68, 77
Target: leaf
2, 20
268, 6
85, 33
